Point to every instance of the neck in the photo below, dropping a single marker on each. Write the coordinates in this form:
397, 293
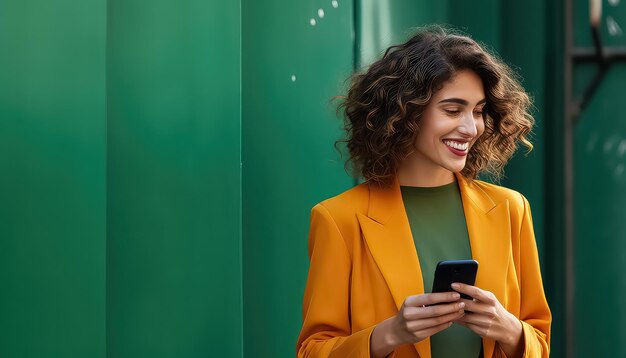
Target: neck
410, 176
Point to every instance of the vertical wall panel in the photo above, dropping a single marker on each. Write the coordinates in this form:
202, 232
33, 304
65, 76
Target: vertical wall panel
289, 164
599, 195
174, 245
52, 188
600, 220
524, 29
553, 112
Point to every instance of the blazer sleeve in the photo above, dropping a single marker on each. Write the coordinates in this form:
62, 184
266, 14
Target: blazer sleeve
534, 311
326, 329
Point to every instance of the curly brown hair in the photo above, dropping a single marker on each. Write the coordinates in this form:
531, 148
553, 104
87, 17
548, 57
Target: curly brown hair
383, 107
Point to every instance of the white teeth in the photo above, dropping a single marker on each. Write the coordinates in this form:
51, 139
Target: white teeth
456, 145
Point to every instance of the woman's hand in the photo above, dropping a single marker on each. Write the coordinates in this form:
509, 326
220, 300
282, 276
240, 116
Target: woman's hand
416, 320
489, 319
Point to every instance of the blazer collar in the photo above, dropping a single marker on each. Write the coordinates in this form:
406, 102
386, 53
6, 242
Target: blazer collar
388, 236
386, 202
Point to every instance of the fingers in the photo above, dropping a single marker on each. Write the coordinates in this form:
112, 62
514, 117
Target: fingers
428, 299
413, 313
475, 292
433, 322
476, 319
478, 307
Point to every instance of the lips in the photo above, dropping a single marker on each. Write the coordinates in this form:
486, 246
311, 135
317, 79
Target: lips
459, 148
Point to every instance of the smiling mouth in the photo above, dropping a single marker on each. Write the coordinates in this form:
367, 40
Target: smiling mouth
457, 146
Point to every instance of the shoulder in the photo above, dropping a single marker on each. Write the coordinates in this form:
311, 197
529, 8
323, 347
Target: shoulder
348, 203
340, 212
498, 193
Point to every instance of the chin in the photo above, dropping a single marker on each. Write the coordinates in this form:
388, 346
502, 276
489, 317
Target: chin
455, 168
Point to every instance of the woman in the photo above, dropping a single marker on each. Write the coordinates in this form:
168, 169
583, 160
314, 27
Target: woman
421, 124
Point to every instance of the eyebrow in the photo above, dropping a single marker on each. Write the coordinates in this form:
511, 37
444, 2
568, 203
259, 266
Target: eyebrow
461, 101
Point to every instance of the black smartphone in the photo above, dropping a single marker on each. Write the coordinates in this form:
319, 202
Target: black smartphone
450, 271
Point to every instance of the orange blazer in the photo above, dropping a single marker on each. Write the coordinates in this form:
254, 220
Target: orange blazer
363, 264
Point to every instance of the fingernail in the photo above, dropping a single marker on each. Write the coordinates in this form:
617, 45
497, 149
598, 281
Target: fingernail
456, 296
456, 285
462, 304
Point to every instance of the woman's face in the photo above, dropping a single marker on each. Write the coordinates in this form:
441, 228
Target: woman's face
450, 124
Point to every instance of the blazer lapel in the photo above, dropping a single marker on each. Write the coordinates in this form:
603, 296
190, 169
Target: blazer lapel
388, 236
489, 231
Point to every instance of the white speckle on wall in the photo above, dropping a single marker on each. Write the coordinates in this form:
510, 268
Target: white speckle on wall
613, 27
621, 149
609, 144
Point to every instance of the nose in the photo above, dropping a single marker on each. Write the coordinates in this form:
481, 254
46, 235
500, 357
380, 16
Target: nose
467, 126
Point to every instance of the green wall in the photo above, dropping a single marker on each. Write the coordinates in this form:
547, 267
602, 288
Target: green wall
52, 186
173, 179
600, 220
599, 193
289, 164
382, 23
120, 227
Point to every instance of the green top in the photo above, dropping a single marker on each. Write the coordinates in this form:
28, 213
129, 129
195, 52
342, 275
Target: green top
440, 233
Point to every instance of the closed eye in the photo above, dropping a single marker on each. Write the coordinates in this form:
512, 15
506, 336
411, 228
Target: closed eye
452, 111
479, 113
